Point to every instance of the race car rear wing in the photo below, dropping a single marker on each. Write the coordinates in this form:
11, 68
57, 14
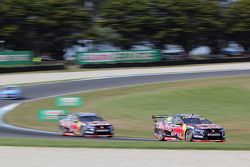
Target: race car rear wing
157, 118
62, 116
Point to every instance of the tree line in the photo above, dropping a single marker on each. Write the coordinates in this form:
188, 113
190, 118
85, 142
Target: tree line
51, 25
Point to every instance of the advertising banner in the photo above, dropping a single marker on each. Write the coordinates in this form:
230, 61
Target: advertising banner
69, 101
130, 56
16, 57
50, 115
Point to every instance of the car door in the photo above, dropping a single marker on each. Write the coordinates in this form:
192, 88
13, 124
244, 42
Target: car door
168, 126
74, 124
178, 130
65, 122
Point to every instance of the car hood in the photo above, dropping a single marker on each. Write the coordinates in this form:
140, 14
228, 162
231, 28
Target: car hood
98, 123
207, 126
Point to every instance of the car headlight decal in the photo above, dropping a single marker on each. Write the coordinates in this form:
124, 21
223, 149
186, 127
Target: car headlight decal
199, 132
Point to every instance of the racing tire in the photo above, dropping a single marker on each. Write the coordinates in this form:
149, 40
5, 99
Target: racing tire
160, 135
189, 135
63, 130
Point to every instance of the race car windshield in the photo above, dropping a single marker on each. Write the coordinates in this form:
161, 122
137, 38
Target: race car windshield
196, 121
90, 118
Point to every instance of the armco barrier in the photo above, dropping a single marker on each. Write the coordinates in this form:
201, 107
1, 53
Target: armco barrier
32, 68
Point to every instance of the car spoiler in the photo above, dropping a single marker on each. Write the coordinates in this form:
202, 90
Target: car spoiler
62, 116
157, 118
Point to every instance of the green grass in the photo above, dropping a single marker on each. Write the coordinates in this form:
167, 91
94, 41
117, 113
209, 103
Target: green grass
225, 101
21, 142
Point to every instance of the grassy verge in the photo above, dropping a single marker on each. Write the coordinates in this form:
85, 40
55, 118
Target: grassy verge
23, 142
224, 101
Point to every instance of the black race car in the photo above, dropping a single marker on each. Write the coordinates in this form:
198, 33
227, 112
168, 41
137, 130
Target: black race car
85, 124
189, 127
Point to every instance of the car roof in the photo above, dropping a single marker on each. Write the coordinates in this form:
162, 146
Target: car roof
85, 114
188, 115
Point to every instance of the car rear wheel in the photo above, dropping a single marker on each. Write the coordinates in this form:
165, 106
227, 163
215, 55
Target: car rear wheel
160, 135
63, 130
189, 135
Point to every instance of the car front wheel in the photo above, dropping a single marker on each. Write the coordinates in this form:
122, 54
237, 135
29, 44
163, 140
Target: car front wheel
189, 135
160, 135
82, 131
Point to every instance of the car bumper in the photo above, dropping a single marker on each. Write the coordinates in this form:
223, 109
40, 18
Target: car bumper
209, 139
99, 133
10, 97
96, 135
91, 135
194, 140
197, 140
171, 139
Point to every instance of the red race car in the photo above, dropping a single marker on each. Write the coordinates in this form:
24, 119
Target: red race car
85, 124
188, 127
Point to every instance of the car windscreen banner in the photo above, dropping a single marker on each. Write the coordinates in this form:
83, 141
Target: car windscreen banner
16, 57
112, 57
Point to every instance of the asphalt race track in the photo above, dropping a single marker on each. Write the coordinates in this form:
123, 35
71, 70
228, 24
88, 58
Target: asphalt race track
32, 92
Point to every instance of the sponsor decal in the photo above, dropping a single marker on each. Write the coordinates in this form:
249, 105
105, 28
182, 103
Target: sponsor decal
167, 128
118, 56
15, 57
102, 130
197, 136
208, 126
213, 134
